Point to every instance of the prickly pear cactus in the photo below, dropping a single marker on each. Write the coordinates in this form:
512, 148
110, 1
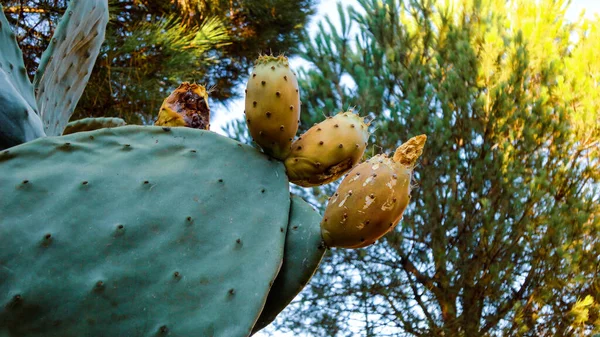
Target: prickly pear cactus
273, 105
139, 231
304, 250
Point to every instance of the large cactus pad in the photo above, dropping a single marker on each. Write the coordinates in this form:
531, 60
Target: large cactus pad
138, 231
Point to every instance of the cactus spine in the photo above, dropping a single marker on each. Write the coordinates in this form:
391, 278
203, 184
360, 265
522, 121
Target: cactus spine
273, 105
327, 150
372, 198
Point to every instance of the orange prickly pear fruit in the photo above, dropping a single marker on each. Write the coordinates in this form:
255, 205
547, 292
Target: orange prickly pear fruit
273, 105
328, 150
186, 106
371, 199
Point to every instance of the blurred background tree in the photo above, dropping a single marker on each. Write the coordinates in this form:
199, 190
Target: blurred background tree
502, 235
152, 46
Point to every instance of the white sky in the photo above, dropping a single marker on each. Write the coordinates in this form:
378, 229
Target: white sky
329, 7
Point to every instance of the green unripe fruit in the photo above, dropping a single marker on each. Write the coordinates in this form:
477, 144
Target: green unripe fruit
273, 105
327, 150
371, 199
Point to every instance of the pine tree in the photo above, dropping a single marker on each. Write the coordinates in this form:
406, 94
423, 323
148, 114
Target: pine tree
152, 46
502, 236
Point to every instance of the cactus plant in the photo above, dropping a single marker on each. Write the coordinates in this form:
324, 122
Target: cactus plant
153, 230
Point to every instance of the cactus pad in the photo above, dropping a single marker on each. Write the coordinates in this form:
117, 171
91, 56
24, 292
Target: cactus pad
19, 119
304, 250
138, 231
67, 63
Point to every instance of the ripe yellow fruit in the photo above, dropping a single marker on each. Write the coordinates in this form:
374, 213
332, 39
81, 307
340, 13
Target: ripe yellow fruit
328, 150
371, 199
273, 105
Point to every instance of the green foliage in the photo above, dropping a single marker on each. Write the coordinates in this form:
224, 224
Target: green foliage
125, 234
152, 46
503, 231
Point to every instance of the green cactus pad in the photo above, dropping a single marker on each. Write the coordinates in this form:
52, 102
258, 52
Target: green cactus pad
67, 64
138, 231
304, 250
89, 124
19, 121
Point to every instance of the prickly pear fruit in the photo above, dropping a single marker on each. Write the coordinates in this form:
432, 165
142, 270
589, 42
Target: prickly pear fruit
327, 150
371, 199
186, 106
273, 105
